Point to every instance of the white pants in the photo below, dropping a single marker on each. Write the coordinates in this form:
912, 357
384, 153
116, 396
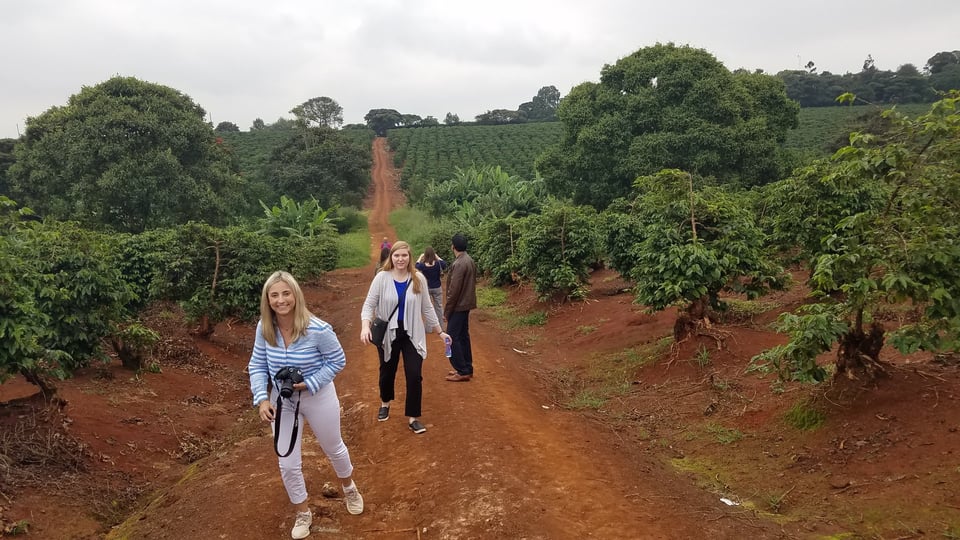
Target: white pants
322, 412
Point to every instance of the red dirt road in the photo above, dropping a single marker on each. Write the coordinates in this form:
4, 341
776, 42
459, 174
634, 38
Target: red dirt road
499, 460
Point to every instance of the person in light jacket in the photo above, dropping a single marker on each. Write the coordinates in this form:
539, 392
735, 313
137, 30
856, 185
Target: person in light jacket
290, 336
406, 330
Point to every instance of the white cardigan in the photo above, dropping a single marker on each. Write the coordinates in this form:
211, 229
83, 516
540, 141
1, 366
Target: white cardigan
382, 298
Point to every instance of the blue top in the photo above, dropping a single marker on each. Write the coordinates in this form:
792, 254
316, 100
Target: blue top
432, 273
317, 353
401, 287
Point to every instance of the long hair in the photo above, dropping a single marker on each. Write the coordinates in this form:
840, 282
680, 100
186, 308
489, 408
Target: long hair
301, 315
388, 265
429, 255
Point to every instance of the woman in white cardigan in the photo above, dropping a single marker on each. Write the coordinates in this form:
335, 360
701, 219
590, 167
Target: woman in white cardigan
406, 329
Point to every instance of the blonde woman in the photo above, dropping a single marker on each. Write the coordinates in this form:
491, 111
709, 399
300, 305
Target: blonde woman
407, 325
289, 338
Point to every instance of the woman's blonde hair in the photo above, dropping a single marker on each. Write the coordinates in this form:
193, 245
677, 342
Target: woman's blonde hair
388, 264
301, 315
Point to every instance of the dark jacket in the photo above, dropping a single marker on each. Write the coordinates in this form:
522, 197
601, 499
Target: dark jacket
461, 285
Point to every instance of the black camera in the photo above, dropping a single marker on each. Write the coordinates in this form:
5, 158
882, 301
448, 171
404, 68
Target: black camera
286, 378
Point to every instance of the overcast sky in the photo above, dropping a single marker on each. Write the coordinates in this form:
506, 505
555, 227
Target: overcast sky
247, 59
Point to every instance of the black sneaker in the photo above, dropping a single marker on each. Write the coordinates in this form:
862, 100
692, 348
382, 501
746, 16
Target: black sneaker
383, 414
417, 427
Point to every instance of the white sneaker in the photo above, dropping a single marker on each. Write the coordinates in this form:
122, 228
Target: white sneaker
301, 528
353, 499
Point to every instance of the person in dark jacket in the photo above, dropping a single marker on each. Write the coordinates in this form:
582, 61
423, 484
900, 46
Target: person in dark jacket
461, 298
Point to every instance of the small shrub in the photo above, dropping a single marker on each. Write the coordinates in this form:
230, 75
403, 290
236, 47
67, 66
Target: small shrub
537, 318
586, 399
702, 357
16, 528
725, 435
804, 417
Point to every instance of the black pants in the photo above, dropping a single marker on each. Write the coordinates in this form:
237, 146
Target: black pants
412, 372
458, 326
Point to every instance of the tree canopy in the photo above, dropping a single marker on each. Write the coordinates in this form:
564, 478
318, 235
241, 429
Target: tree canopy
125, 154
380, 120
543, 106
319, 111
667, 107
321, 163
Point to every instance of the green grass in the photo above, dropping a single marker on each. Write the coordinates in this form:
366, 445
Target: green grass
804, 417
608, 375
724, 435
537, 318
419, 229
586, 399
490, 297
354, 248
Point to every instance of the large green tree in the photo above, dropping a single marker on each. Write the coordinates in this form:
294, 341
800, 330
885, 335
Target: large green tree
125, 154
380, 120
6, 160
320, 111
323, 164
543, 106
667, 107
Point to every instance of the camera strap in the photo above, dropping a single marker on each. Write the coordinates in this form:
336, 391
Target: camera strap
276, 426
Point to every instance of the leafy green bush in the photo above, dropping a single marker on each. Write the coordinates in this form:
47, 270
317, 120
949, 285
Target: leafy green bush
904, 250
557, 248
684, 244
218, 273
61, 295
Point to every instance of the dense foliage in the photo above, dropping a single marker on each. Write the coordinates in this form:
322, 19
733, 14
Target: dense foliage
434, 154
125, 154
218, 272
683, 243
900, 253
322, 163
881, 87
62, 294
667, 107
478, 193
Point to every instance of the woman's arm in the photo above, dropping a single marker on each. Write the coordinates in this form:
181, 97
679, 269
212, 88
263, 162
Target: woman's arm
369, 310
331, 357
257, 367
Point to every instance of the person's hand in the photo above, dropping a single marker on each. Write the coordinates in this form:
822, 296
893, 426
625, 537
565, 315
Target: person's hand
266, 411
446, 337
300, 386
365, 334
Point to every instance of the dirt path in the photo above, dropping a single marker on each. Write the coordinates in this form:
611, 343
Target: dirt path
499, 460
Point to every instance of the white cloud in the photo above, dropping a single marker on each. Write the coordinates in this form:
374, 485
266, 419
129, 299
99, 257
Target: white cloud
245, 59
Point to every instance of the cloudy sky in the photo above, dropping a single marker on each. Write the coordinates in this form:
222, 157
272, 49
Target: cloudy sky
247, 59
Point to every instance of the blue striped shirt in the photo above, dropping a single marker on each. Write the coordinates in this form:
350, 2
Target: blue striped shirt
318, 354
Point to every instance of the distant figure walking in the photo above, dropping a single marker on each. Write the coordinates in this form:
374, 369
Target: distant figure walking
432, 266
385, 244
384, 255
